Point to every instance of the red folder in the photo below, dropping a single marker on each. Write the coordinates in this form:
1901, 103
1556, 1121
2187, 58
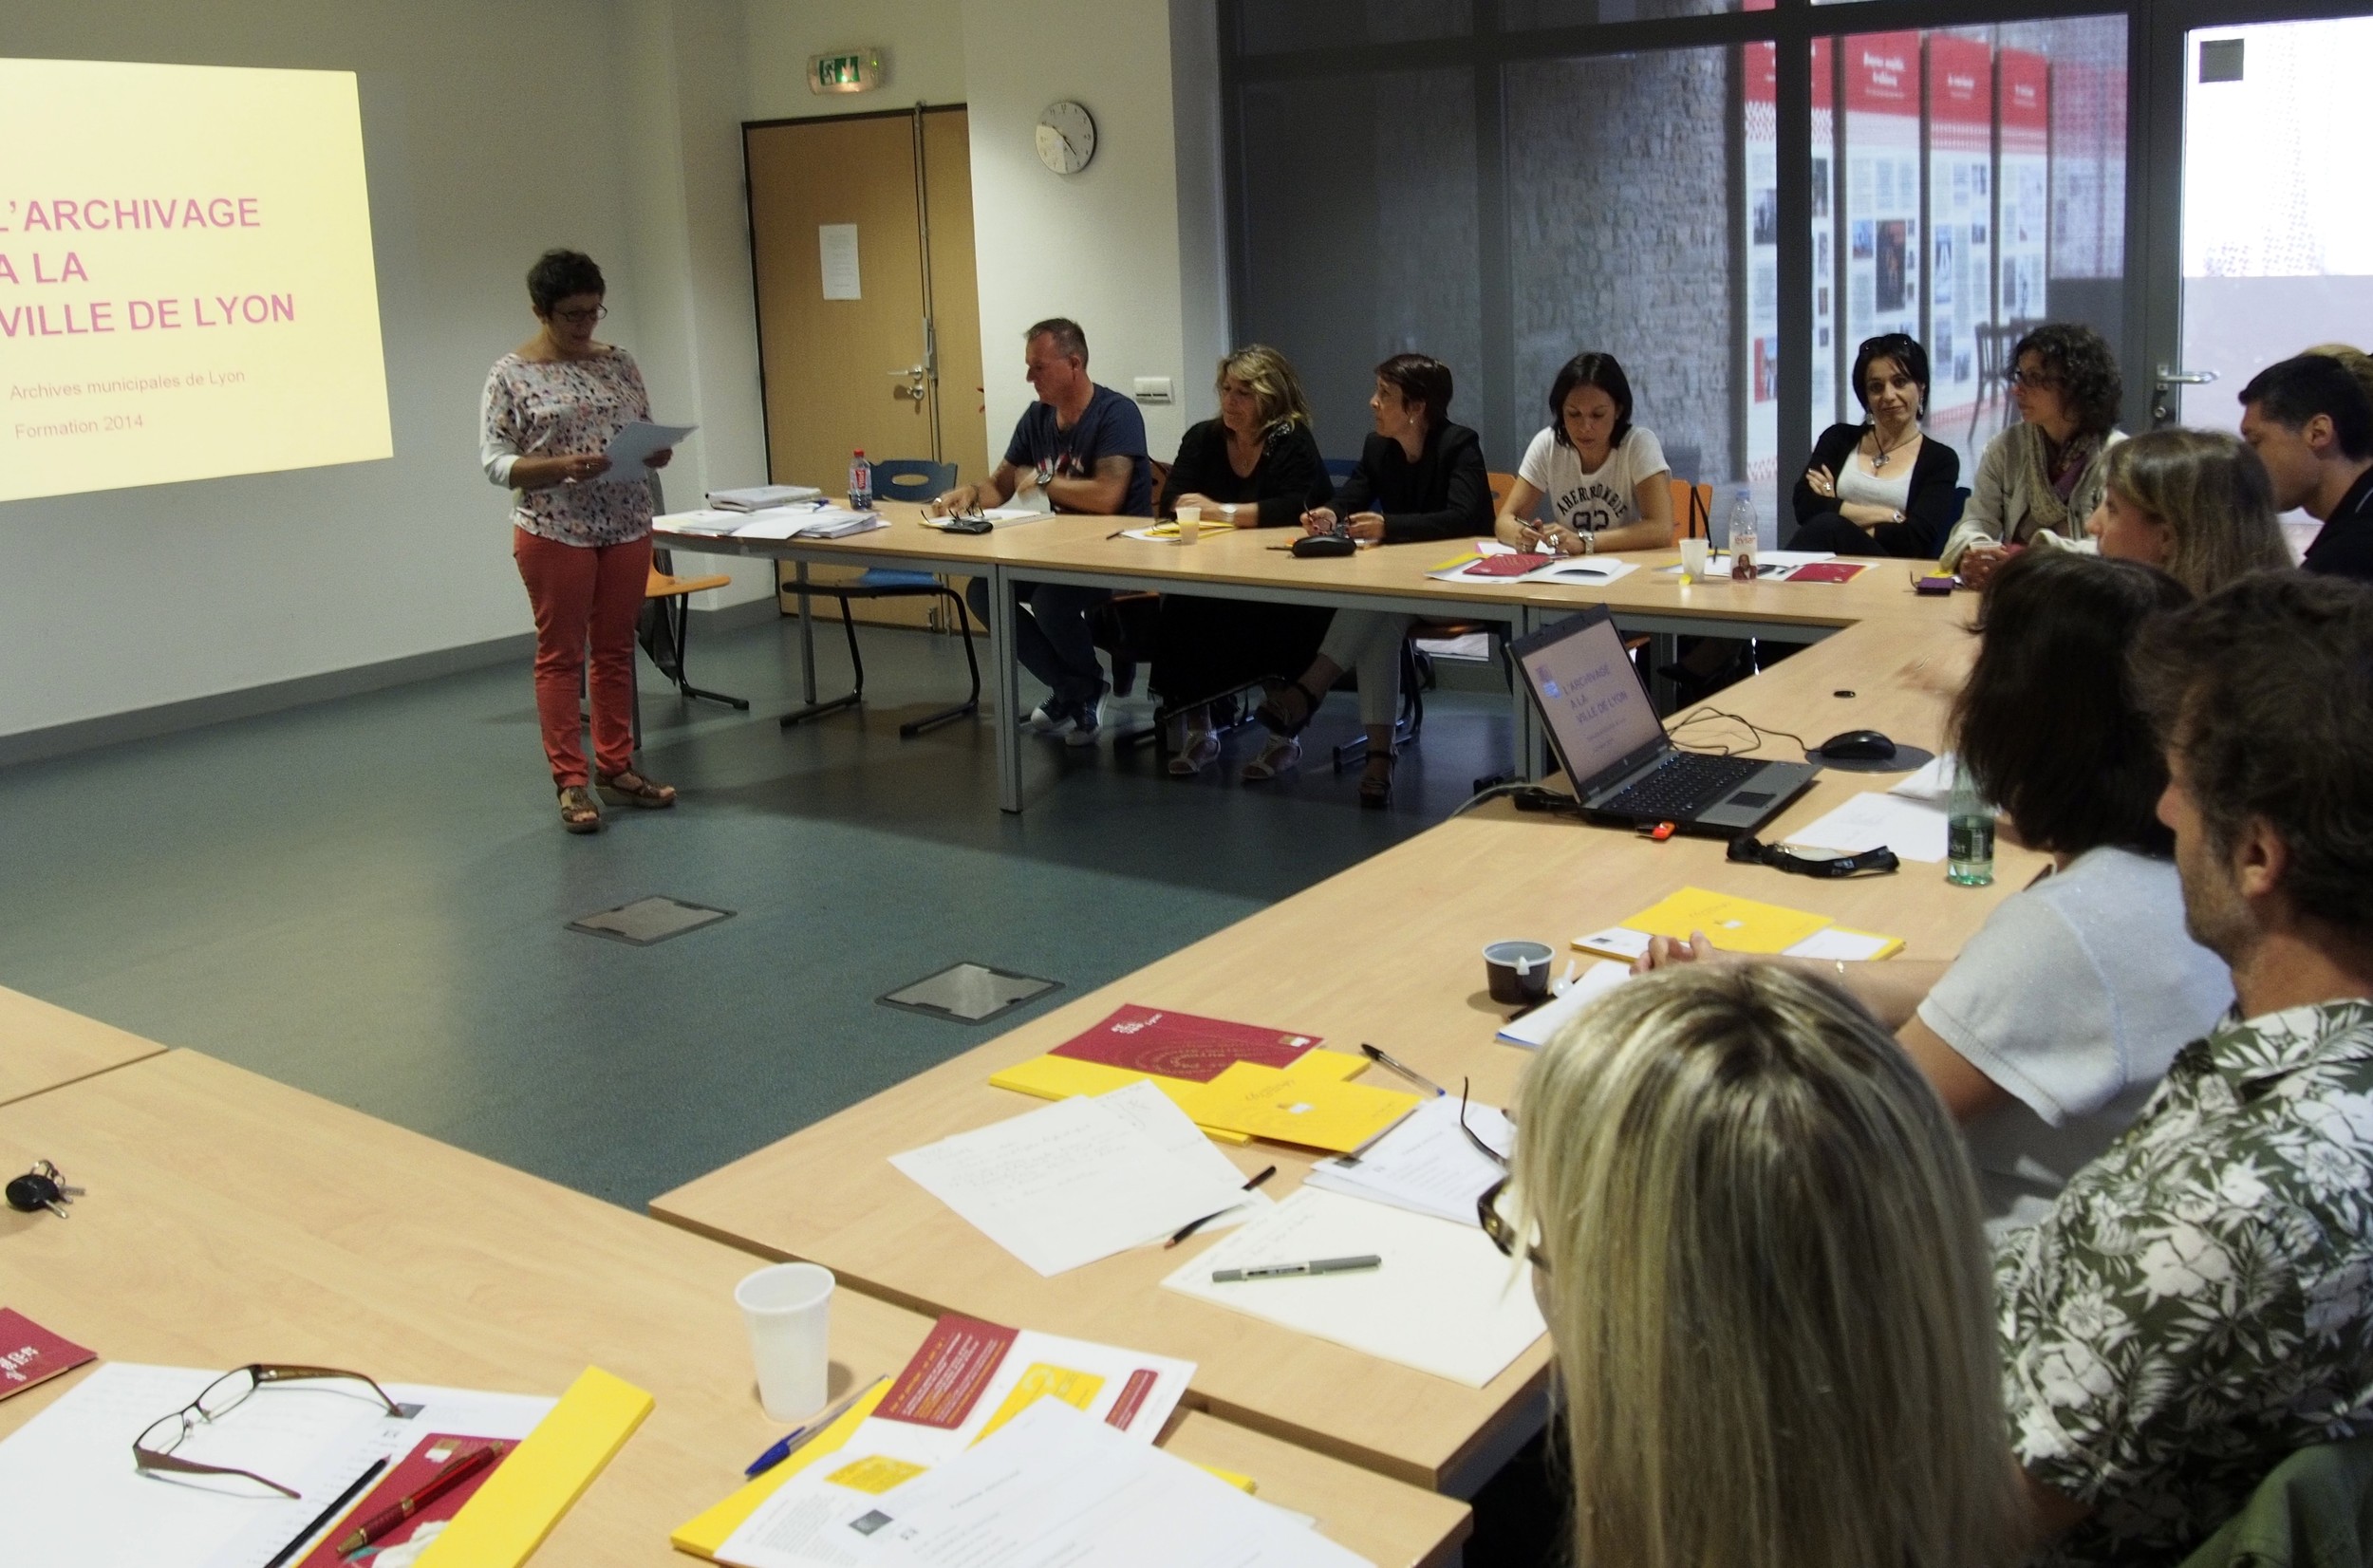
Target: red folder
1180, 1045
406, 1476
1507, 565
1827, 571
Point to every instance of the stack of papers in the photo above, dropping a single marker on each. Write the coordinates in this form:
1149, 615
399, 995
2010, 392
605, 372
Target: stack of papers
762, 498
636, 440
807, 520
1308, 1104
1425, 1164
1532, 1029
1552, 569
1445, 1301
1177, 1051
1738, 925
1052, 1486
1079, 1179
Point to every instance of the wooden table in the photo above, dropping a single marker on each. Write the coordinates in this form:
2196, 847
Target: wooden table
1386, 952
1254, 564
43, 1047
230, 1218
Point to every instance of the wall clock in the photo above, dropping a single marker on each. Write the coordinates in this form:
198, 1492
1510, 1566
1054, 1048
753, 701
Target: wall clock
1067, 138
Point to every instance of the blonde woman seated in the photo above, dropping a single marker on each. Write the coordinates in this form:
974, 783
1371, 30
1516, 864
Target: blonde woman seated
2195, 503
1604, 477
1756, 1243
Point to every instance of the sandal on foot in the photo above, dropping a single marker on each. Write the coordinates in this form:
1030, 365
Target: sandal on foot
1282, 753
1287, 711
1375, 782
578, 814
1201, 751
632, 788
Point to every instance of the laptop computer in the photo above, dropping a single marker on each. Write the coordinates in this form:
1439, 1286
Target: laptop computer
1613, 747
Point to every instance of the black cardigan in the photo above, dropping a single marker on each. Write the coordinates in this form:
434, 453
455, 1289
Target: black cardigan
1445, 494
1929, 506
1289, 479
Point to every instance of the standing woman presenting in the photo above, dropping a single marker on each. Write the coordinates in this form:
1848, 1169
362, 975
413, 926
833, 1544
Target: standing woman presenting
583, 543
1880, 486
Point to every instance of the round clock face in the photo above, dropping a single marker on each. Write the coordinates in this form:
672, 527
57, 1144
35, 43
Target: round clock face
1067, 138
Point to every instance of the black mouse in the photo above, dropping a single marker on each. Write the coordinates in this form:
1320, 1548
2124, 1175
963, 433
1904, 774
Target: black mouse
1855, 746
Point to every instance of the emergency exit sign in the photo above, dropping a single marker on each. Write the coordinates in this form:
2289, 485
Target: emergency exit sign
857, 71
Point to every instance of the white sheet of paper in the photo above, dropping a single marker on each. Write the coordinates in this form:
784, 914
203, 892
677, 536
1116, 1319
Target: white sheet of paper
1445, 1302
1533, 1030
70, 1494
1425, 1164
1932, 783
1158, 1117
820, 522
635, 441
1552, 569
837, 246
802, 1524
707, 520
1832, 942
1066, 1185
1912, 829
1055, 1487
1615, 942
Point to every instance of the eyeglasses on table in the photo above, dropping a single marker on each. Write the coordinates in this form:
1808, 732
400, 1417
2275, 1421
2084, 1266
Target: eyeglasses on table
154, 1449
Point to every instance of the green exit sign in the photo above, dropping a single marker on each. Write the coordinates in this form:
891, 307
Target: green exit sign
857, 71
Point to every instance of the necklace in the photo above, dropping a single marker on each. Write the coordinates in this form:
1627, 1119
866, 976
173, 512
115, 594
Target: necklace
1879, 451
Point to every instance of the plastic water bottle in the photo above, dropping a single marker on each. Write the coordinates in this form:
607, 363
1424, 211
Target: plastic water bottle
1743, 524
1968, 833
860, 482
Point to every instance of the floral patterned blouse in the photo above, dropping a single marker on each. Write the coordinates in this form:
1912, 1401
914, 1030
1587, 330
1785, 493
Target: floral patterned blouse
2196, 1306
556, 408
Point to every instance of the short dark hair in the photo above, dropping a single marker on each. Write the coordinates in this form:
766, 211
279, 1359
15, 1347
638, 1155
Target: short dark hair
1420, 379
1069, 341
1603, 371
562, 274
2049, 722
1905, 350
2262, 689
2290, 392
2089, 381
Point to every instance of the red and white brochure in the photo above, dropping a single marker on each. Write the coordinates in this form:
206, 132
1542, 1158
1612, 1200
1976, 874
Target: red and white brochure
30, 1354
1170, 1044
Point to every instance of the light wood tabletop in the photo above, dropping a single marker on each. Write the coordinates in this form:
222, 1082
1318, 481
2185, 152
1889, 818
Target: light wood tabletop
1387, 952
230, 1218
43, 1047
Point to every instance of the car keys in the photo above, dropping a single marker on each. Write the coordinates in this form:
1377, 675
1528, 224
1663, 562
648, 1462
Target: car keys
40, 1188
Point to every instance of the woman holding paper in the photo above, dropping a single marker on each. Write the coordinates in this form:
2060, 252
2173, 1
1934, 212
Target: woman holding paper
1756, 1243
1604, 477
2061, 1016
582, 545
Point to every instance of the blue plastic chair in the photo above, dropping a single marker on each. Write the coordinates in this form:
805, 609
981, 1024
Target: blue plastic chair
896, 479
1340, 469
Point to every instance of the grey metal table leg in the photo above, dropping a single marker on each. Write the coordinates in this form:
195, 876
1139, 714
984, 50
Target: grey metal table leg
1528, 758
1007, 720
807, 637
1664, 648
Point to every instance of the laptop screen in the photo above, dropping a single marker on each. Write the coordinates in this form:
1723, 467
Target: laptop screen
1591, 696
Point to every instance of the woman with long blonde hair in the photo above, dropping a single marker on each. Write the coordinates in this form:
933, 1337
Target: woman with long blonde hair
1758, 1249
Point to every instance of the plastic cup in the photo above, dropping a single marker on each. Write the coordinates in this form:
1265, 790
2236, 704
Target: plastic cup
1189, 525
1692, 559
1517, 971
788, 1307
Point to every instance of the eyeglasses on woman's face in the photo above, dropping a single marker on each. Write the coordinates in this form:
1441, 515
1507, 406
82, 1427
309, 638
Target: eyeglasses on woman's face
2036, 380
584, 316
1495, 1225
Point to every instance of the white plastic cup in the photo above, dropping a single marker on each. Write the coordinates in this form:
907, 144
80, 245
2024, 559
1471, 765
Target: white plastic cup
1694, 558
789, 1308
1191, 525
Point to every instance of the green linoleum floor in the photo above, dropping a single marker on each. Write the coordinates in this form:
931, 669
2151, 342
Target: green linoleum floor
367, 898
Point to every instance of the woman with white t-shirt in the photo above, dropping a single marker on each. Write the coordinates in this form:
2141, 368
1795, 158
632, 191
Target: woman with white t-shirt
1604, 477
2062, 1014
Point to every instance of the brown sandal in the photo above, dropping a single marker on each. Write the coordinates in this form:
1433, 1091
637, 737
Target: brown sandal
632, 788
578, 814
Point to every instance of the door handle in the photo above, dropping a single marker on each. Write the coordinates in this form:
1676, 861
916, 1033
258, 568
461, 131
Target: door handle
2166, 380
2184, 378
913, 377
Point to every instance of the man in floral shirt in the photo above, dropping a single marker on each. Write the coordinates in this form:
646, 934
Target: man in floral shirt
2199, 1301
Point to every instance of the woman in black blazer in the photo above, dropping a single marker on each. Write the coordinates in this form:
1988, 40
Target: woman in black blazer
1255, 466
1419, 478
1880, 486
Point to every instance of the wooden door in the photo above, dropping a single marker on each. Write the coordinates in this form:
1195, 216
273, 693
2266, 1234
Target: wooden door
896, 369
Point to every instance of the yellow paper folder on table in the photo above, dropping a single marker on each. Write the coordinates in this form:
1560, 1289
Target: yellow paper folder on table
1059, 1077
1315, 1109
508, 1518
702, 1536
1734, 925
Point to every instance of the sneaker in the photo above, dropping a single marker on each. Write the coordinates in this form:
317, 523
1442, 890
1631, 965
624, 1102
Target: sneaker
1048, 718
1086, 723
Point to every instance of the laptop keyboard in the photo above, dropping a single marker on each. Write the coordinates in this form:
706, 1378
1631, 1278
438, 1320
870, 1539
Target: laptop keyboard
1683, 785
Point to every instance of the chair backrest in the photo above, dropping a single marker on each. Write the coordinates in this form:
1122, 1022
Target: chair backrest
1692, 510
912, 478
1500, 485
1340, 469
1161, 481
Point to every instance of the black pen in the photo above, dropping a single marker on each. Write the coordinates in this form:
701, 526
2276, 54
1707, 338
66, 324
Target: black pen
1189, 1228
322, 1519
1373, 1054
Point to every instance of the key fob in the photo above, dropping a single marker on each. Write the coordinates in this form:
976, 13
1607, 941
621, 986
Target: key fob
34, 1192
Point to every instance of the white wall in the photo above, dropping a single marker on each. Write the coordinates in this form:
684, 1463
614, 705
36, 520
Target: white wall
921, 43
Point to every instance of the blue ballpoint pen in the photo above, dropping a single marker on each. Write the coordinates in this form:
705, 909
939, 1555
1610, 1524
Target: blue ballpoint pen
798, 1436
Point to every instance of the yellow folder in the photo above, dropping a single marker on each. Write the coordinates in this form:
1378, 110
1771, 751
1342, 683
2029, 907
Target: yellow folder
1059, 1077
1315, 1110
702, 1536
1734, 925
509, 1516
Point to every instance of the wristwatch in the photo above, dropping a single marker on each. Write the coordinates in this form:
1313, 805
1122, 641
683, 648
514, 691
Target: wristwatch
1590, 543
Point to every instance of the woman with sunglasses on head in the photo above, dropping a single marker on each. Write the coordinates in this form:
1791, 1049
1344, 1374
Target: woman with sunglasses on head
1756, 1243
1880, 486
2060, 1016
583, 543
2041, 478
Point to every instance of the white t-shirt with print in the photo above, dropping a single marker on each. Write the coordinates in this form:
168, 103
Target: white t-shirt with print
1592, 503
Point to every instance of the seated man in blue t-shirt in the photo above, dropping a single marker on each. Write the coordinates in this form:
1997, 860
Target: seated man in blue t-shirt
1084, 447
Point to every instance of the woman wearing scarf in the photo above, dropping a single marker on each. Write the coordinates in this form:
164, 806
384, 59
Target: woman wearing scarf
2041, 478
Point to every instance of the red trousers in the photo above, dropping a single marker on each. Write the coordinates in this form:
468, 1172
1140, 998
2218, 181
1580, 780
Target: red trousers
583, 596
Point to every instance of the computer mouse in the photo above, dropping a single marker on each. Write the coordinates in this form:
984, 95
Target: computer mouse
1855, 746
